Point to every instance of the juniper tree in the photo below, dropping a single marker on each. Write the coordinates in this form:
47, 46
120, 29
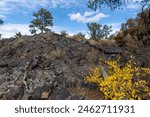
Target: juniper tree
98, 31
43, 20
106, 31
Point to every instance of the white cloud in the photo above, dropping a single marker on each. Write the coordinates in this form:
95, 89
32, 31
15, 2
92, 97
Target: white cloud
2, 16
115, 27
9, 30
87, 17
86, 14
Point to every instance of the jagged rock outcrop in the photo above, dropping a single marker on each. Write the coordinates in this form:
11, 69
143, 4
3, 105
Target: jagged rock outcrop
47, 66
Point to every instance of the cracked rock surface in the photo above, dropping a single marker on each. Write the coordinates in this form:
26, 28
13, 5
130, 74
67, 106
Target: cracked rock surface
47, 66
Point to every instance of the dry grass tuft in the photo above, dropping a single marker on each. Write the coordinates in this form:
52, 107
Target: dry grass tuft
20, 42
58, 53
87, 93
103, 42
92, 56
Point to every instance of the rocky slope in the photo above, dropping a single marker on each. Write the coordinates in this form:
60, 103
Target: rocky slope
49, 66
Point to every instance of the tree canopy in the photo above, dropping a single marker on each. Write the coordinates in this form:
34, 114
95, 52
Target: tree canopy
113, 4
135, 33
42, 21
98, 31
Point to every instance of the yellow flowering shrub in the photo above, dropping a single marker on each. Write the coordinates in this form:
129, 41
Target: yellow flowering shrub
122, 82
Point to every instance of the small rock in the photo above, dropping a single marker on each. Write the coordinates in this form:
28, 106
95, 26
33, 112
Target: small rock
45, 95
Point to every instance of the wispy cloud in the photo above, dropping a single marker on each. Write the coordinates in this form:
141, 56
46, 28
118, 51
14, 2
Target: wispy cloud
2, 16
7, 6
134, 4
87, 17
66, 3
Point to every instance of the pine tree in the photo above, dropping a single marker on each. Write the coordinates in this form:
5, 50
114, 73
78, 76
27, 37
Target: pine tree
32, 29
42, 21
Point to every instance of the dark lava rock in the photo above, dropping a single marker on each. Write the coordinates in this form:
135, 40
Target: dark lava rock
77, 97
89, 85
15, 93
45, 66
59, 93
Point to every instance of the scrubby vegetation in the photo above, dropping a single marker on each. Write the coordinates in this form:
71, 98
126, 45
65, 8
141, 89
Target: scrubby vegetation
121, 82
80, 36
18, 35
63, 33
131, 80
134, 35
135, 32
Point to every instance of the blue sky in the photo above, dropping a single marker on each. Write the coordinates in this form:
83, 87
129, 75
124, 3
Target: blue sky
69, 15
